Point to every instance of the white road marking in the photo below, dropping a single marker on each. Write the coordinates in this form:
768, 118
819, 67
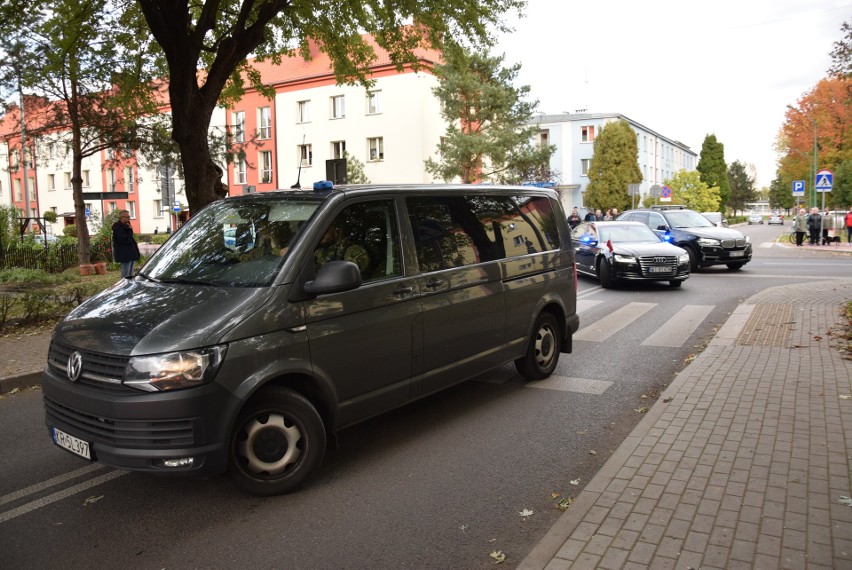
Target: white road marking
50, 483
604, 328
566, 384
59, 495
678, 328
585, 305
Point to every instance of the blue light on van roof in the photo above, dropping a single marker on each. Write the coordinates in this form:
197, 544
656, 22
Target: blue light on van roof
323, 185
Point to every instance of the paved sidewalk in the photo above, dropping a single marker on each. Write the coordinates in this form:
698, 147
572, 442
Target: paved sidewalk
743, 462
22, 358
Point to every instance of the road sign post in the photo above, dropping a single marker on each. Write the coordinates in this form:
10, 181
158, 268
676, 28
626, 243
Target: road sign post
823, 183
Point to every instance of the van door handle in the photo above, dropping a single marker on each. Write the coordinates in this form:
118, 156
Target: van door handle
403, 290
434, 283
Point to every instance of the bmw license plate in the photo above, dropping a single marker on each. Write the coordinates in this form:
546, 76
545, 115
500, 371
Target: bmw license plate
73, 444
736, 253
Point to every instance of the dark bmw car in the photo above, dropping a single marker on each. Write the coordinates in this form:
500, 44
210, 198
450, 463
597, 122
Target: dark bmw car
615, 251
705, 243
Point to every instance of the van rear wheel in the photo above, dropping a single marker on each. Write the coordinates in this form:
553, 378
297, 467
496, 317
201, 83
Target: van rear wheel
543, 349
277, 442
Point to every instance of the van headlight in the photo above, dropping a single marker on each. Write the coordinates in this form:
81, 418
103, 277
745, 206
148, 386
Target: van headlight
174, 370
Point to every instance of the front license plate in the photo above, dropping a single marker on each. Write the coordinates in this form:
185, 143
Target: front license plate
659, 269
73, 444
736, 253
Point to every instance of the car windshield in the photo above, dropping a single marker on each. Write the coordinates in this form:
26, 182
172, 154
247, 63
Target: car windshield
686, 219
233, 243
638, 233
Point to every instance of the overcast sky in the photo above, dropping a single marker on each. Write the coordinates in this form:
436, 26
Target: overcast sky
682, 69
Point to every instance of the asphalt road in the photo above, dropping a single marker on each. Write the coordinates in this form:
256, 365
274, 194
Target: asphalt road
440, 483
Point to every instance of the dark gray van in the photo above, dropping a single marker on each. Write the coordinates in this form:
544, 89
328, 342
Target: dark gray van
269, 321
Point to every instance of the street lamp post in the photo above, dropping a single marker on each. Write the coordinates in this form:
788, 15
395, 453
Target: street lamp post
813, 175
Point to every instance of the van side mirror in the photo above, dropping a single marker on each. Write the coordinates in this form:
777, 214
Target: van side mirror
334, 277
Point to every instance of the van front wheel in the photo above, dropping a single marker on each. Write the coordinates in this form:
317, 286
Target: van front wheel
278, 440
543, 350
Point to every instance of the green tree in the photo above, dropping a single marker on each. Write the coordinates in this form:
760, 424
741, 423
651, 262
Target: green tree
488, 136
713, 169
614, 166
781, 195
841, 187
355, 170
78, 54
218, 36
688, 189
742, 187
841, 55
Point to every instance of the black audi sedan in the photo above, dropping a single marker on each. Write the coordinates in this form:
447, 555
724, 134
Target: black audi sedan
615, 251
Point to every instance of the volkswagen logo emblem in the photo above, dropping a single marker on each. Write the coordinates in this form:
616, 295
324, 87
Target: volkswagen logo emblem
75, 366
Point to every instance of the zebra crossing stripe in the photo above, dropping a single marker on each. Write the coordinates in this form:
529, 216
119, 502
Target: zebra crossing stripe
678, 328
604, 328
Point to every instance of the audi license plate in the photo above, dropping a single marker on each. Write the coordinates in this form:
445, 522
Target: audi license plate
659, 269
73, 444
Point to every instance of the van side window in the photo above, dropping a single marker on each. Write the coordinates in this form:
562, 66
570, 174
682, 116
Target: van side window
457, 231
365, 233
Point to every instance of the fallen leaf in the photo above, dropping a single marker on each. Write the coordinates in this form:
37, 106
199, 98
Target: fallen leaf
592, 452
463, 527
554, 495
845, 397
498, 556
575, 482
642, 410
817, 337
564, 504
844, 500
92, 500
667, 400
643, 397
526, 513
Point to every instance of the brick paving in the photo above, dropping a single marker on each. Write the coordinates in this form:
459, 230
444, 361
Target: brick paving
743, 462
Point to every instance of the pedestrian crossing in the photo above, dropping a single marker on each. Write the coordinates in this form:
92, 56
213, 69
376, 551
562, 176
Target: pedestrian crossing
673, 333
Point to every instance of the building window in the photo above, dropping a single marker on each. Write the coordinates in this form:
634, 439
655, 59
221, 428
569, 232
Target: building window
51, 182
128, 179
338, 111
265, 166
131, 207
585, 163
587, 134
158, 209
86, 182
375, 147
304, 111
110, 180
264, 130
338, 149
373, 102
239, 126
17, 184
543, 138
112, 207
240, 169
306, 155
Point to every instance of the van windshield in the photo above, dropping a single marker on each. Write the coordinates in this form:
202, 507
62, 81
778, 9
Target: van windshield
233, 243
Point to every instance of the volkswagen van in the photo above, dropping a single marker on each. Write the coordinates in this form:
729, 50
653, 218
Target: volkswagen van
271, 320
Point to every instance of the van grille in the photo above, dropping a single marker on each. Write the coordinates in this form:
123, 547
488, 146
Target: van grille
100, 371
122, 433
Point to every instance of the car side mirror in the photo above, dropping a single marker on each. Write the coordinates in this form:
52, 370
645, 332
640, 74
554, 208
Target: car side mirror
662, 228
334, 277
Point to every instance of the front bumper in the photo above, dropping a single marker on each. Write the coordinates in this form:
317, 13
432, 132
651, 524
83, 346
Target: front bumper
711, 255
138, 431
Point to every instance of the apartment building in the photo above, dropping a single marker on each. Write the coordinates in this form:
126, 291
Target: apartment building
574, 135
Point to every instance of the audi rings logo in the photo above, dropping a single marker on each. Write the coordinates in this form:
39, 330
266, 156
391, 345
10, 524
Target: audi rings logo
659, 260
75, 366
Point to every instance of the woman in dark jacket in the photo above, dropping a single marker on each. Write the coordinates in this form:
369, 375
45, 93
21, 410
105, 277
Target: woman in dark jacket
125, 250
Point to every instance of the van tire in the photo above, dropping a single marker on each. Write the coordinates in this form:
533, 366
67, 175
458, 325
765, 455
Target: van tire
543, 349
278, 441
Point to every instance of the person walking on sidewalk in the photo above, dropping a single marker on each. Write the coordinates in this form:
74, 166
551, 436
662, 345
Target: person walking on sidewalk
814, 226
800, 226
849, 225
125, 250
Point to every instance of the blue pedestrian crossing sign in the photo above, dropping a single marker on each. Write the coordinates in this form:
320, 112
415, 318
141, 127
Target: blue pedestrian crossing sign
798, 187
824, 181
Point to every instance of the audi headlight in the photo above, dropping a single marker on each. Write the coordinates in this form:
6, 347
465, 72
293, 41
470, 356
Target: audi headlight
710, 242
624, 258
174, 370
683, 258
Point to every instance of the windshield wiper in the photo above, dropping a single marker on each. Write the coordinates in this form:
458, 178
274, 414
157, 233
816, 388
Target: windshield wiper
184, 281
